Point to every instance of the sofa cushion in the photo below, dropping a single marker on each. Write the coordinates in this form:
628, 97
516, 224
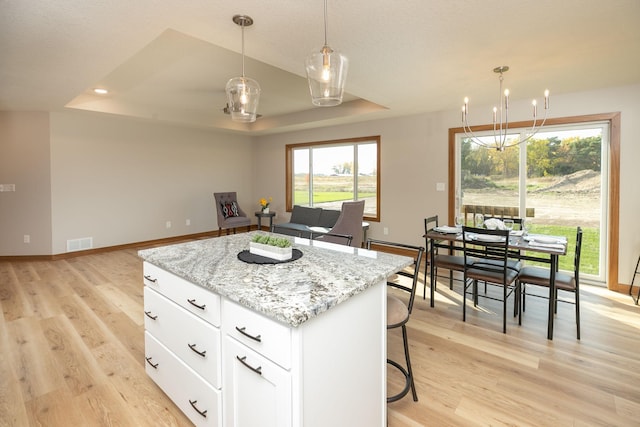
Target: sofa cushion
328, 218
306, 216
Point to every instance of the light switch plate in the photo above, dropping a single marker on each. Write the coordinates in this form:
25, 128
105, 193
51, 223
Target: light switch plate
440, 186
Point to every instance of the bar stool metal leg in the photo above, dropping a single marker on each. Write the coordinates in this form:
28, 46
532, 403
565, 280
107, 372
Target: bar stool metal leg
408, 372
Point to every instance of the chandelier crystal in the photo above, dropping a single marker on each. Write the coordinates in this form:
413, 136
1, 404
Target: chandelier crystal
501, 119
243, 93
326, 73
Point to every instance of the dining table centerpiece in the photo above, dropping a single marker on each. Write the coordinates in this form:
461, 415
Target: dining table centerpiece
264, 204
271, 247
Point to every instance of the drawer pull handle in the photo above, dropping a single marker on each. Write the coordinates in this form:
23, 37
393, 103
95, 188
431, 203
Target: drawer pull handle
148, 359
148, 313
242, 331
193, 405
199, 353
151, 279
257, 370
193, 303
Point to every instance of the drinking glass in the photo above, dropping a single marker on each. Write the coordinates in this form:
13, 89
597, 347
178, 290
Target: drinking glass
526, 226
479, 220
508, 224
459, 220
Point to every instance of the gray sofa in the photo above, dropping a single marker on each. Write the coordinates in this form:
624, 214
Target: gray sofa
306, 222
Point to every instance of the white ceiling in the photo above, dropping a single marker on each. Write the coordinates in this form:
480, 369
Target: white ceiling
169, 60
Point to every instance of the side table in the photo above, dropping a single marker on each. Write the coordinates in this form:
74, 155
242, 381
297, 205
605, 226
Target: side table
260, 215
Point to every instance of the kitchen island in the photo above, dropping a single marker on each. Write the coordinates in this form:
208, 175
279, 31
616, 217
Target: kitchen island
300, 343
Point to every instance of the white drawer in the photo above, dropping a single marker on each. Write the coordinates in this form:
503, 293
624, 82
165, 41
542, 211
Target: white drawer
194, 341
194, 298
266, 336
194, 396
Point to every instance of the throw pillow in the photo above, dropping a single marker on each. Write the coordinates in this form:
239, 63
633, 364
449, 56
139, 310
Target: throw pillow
229, 209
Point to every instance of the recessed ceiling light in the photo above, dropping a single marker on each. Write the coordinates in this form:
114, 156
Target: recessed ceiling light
100, 91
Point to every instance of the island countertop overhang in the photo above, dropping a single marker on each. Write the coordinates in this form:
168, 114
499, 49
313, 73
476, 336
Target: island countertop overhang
291, 292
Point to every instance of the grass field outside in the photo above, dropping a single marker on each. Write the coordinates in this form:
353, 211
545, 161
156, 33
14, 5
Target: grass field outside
329, 191
561, 205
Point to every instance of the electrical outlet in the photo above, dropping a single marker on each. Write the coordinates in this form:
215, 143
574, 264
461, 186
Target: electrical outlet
385, 231
168, 224
27, 238
187, 222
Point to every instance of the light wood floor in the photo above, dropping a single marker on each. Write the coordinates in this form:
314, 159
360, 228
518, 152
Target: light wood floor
72, 354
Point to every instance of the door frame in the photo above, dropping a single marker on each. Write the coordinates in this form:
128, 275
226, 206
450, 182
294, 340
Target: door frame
614, 178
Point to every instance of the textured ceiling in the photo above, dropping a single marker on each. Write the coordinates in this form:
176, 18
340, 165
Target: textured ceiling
170, 60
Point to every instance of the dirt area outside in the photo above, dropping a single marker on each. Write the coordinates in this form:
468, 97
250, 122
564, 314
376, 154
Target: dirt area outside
568, 200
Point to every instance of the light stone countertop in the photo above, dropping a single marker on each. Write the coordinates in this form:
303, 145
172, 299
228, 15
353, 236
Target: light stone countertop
291, 292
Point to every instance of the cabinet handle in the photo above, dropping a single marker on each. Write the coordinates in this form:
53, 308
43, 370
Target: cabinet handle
257, 370
242, 331
148, 313
193, 303
193, 405
148, 359
199, 353
151, 279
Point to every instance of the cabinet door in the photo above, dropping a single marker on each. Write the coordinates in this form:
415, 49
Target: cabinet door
257, 391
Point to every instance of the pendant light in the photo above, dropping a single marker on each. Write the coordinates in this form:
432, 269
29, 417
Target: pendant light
326, 73
243, 93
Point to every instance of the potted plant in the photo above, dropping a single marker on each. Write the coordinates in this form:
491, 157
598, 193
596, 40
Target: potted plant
264, 204
271, 246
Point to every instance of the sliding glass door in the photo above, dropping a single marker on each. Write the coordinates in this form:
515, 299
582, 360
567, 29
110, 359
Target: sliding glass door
557, 180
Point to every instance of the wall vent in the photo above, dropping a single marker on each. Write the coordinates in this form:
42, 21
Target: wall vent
79, 244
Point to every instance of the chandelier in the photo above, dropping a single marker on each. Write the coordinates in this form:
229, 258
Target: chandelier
243, 93
501, 119
326, 73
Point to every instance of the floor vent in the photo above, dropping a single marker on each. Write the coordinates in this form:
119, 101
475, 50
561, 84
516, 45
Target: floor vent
79, 244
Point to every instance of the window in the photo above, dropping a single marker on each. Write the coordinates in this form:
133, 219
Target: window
327, 173
565, 176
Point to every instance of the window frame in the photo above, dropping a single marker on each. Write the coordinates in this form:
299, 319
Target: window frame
289, 149
614, 178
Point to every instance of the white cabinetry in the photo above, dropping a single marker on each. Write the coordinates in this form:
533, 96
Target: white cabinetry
257, 391
329, 371
182, 344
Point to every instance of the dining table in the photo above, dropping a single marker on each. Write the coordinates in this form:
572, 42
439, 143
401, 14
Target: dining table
523, 246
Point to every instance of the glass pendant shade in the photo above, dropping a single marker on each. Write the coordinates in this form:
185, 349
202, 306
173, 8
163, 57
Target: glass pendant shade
327, 75
243, 94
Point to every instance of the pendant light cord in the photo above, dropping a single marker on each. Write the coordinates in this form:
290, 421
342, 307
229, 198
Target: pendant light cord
242, 49
325, 22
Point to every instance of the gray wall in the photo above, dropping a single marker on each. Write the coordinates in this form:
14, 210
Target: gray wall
119, 180
25, 161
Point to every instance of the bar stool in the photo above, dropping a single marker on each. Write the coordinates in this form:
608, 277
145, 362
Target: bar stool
399, 311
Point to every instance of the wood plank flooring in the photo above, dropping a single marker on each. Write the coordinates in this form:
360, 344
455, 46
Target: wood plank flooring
72, 354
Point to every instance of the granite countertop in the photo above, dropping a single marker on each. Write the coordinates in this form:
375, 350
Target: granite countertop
292, 292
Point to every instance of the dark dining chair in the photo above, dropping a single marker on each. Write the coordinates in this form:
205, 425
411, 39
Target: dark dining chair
341, 239
538, 276
489, 251
399, 309
449, 261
